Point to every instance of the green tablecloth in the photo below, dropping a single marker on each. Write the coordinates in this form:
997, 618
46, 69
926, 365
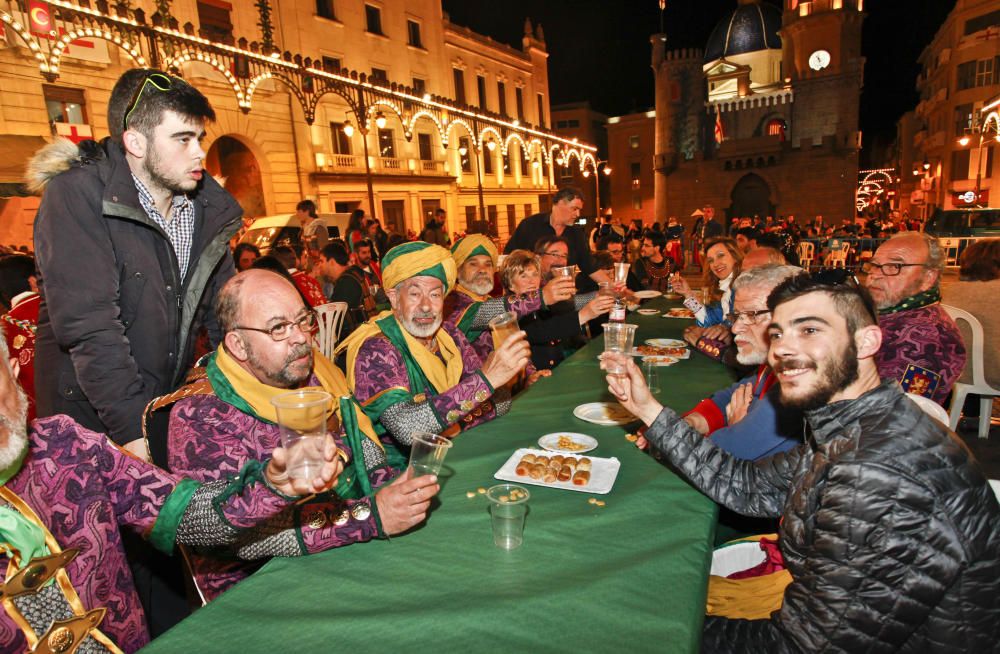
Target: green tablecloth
627, 576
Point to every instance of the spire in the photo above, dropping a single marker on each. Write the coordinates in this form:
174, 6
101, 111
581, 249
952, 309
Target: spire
527, 27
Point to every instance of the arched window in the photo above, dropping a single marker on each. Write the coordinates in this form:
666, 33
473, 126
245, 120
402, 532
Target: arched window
776, 127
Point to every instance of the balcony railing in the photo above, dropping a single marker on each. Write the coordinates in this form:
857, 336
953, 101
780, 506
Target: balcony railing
344, 163
431, 166
391, 164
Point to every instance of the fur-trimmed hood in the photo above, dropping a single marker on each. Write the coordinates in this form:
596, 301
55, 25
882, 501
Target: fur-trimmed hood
58, 157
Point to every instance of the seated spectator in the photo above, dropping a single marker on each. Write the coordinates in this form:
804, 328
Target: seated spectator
67, 491
306, 283
364, 258
977, 292
923, 348
19, 296
412, 373
746, 238
223, 421
653, 268
547, 331
244, 254
889, 531
616, 248
722, 265
350, 285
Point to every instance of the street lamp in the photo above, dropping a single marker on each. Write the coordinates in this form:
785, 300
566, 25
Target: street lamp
348, 130
597, 183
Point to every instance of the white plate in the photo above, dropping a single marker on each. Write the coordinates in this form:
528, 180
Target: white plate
648, 312
604, 413
550, 442
660, 360
666, 342
603, 473
646, 295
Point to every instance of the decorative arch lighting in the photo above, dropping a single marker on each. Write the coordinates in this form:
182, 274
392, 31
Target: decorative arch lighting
348, 128
463, 150
380, 120
491, 145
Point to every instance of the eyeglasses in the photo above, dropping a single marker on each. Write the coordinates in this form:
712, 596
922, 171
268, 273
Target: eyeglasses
307, 324
557, 255
158, 81
887, 269
749, 317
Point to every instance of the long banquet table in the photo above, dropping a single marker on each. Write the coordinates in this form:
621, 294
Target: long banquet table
630, 575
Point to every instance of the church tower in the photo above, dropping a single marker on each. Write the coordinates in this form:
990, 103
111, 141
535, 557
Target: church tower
822, 61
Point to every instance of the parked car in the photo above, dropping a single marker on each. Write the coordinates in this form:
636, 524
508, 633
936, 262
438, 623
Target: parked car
284, 229
964, 222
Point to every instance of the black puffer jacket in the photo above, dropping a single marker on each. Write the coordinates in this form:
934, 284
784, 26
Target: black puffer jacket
890, 531
117, 322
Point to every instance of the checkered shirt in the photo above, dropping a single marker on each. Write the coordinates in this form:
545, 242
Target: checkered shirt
180, 227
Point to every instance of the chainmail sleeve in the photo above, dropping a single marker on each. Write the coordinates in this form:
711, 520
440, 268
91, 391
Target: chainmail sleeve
581, 300
502, 400
487, 311
47, 605
404, 418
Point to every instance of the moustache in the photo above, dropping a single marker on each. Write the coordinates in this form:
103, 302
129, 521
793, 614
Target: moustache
424, 315
298, 352
793, 364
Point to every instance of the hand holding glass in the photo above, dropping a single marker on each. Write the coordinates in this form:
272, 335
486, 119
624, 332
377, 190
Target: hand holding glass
302, 417
427, 453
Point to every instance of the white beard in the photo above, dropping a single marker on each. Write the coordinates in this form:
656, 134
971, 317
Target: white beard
422, 331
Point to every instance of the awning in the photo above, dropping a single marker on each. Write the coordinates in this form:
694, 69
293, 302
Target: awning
17, 150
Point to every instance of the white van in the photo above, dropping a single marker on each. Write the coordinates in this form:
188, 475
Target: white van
270, 231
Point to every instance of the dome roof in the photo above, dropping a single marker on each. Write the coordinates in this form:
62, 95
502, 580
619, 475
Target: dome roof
752, 26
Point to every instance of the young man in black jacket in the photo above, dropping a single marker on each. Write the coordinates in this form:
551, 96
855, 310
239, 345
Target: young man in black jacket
889, 529
132, 245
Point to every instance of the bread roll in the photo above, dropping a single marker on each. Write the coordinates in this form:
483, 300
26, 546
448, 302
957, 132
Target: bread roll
583, 464
551, 475
523, 466
537, 471
565, 473
528, 458
581, 478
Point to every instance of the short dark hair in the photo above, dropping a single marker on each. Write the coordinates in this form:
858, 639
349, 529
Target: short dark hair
364, 243
980, 262
15, 269
285, 255
439, 212
602, 260
308, 206
658, 239
147, 105
852, 300
244, 247
568, 193
337, 251
543, 244
750, 233
605, 241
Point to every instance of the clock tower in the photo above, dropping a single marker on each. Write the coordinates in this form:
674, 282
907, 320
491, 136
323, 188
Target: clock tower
821, 60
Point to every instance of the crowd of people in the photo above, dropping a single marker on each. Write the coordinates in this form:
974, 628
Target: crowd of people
151, 369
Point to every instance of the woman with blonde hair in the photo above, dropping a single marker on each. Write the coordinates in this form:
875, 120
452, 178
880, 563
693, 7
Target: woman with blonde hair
722, 261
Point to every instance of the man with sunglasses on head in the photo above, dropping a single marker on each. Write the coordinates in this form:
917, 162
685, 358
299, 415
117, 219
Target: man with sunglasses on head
222, 421
131, 240
889, 531
922, 347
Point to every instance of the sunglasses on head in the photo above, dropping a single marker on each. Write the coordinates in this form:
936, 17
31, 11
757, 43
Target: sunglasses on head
844, 277
159, 81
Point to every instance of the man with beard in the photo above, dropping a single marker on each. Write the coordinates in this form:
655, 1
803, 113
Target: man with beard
409, 372
923, 348
889, 530
653, 268
153, 230
64, 493
743, 419
227, 419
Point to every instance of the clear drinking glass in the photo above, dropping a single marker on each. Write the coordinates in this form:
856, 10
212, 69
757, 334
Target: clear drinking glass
503, 326
508, 506
302, 417
427, 453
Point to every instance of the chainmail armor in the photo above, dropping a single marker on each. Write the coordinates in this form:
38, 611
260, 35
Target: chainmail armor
46, 606
487, 311
404, 418
202, 526
373, 454
502, 401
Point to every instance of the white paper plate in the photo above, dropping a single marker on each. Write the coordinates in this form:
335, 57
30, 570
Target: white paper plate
648, 312
666, 342
603, 473
550, 442
646, 295
604, 413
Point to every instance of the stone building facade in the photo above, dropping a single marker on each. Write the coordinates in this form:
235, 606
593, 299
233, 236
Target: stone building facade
764, 121
438, 115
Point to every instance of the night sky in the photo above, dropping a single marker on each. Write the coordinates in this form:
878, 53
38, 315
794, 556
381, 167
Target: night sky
599, 49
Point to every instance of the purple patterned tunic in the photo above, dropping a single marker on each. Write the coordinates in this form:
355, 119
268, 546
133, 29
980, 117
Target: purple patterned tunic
209, 439
923, 350
84, 488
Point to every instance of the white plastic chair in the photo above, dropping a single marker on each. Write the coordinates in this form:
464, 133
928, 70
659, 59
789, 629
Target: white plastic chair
807, 253
331, 319
838, 258
930, 407
978, 385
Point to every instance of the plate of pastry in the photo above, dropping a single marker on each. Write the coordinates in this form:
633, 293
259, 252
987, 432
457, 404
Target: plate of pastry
567, 442
564, 471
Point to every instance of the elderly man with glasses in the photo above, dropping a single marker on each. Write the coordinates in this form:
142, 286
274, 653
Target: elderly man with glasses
744, 419
922, 347
226, 419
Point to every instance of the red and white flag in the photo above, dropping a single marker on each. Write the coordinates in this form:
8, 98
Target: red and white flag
720, 133
39, 18
75, 132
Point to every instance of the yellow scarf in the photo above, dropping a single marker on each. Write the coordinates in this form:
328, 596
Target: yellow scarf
258, 395
442, 375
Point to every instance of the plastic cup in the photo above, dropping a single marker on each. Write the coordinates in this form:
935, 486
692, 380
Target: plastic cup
302, 417
427, 453
606, 289
618, 337
503, 326
621, 272
651, 373
508, 506
563, 271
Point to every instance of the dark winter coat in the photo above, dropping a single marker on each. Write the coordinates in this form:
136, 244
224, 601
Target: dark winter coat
117, 323
889, 529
